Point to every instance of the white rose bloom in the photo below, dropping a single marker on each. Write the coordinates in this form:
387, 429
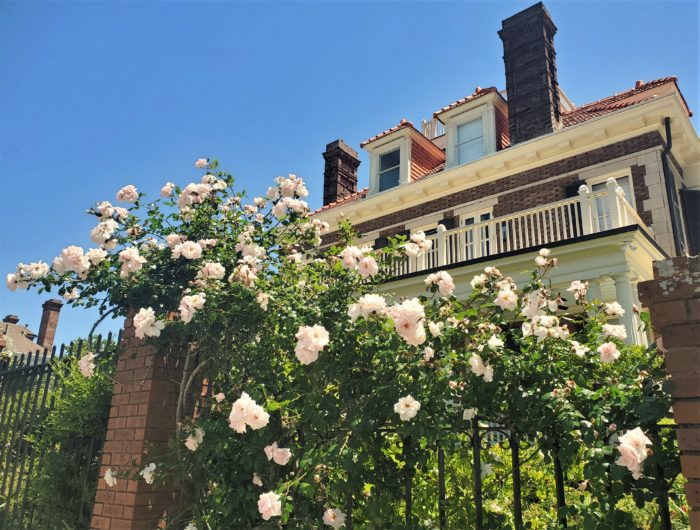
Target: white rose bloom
495, 342
146, 324
131, 261
444, 282
96, 255
201, 163
211, 271
579, 349
436, 328
86, 364
188, 250
614, 309
128, 194
615, 331
506, 300
167, 190
428, 353
310, 341
269, 505
73, 294
110, 479
334, 518
148, 473
407, 408
257, 480
189, 304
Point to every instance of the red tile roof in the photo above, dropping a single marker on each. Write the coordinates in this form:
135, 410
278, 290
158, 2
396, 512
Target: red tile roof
478, 92
345, 200
617, 102
403, 123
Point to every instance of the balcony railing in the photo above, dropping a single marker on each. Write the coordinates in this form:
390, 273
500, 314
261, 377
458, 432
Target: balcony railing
588, 213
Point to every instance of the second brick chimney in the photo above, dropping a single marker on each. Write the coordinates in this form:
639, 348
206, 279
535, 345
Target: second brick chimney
340, 173
49, 322
531, 73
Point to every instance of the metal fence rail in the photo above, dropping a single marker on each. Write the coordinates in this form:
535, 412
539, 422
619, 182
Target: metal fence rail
27, 385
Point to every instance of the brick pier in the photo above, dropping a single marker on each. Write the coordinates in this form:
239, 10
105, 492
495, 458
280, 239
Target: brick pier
673, 297
142, 416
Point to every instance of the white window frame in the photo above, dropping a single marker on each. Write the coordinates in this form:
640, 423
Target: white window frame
404, 145
627, 172
488, 121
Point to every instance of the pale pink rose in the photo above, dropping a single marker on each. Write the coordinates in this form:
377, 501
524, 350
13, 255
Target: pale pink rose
540, 261
310, 341
638, 440
239, 413
219, 397
167, 190
614, 309
608, 352
428, 353
349, 257
189, 304
131, 261
211, 271
280, 455
191, 443
269, 505
128, 194
174, 239
615, 331
73, 294
629, 458
96, 255
435, 328
257, 417
544, 252
86, 364
506, 300
407, 408
408, 317
444, 282
110, 479
74, 260
257, 481
188, 250
201, 163
579, 349
146, 324
334, 518
367, 267
579, 289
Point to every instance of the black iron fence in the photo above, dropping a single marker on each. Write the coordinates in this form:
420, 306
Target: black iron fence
482, 437
28, 384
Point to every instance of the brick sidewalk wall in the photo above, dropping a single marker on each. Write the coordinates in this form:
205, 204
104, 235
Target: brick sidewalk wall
142, 416
673, 298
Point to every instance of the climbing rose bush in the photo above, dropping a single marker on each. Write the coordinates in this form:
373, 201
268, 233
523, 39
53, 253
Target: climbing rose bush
327, 388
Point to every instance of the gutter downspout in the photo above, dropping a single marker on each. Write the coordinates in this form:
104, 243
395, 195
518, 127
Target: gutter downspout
669, 182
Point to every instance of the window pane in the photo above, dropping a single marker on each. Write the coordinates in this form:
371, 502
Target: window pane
389, 179
390, 160
469, 151
469, 131
604, 214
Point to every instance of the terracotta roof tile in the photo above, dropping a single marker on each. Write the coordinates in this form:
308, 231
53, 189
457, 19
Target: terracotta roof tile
478, 92
345, 200
403, 123
615, 102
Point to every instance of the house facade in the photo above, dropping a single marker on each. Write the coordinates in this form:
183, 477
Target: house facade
609, 186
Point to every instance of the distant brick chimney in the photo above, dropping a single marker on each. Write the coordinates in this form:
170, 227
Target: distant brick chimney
340, 173
49, 321
531, 73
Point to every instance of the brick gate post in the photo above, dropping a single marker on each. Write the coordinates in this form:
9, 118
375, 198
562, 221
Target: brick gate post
673, 298
141, 416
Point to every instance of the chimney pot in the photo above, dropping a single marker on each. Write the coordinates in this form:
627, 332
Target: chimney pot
639, 84
49, 322
340, 173
11, 319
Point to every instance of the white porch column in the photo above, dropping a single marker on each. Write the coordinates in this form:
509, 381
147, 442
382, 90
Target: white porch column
586, 209
441, 245
625, 290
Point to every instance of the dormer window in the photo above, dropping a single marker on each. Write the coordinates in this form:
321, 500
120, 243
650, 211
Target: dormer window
475, 126
389, 169
470, 141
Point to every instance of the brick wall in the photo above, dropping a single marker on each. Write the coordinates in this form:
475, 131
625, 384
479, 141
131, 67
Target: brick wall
502, 132
673, 298
141, 417
424, 158
564, 168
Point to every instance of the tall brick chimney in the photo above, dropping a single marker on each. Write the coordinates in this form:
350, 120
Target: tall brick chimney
531, 73
49, 321
340, 173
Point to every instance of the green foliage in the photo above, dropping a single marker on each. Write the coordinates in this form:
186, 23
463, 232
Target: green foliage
62, 490
518, 366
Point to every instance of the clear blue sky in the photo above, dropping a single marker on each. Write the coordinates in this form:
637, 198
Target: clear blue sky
96, 95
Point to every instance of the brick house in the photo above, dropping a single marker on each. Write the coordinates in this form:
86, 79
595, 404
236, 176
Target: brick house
19, 340
610, 186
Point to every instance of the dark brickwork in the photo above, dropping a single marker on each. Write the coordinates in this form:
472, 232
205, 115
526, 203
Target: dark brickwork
545, 193
49, 323
424, 157
673, 300
564, 168
531, 74
641, 192
340, 173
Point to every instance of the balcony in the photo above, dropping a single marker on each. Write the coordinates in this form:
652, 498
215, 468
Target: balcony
567, 220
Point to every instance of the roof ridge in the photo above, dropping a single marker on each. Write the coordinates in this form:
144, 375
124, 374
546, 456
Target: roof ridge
639, 87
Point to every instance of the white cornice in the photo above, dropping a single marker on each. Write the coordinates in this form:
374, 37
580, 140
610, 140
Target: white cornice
610, 128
